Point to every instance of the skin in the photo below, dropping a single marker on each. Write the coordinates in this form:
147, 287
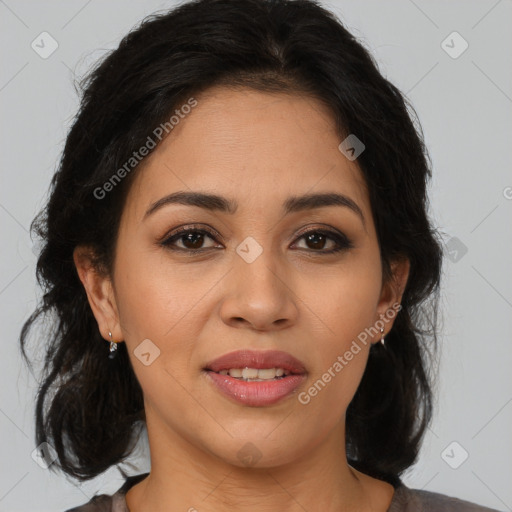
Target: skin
258, 149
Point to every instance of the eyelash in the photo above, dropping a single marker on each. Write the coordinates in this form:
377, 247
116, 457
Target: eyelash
343, 243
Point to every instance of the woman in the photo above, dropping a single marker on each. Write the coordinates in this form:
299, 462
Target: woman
238, 252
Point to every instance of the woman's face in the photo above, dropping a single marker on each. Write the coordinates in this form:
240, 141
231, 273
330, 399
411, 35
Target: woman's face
252, 282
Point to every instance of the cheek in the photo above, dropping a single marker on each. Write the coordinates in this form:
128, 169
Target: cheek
333, 383
340, 359
164, 303
156, 299
345, 302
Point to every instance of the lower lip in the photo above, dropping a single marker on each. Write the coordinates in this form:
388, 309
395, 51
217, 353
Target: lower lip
258, 393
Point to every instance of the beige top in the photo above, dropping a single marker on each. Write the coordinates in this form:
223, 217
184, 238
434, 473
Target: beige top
404, 500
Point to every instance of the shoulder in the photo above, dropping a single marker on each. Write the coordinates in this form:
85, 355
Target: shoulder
102, 503
417, 500
114, 503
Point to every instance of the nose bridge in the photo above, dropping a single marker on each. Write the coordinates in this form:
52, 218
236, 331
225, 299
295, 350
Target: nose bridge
255, 264
258, 291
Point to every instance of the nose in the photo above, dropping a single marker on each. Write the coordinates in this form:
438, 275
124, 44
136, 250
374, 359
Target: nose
259, 295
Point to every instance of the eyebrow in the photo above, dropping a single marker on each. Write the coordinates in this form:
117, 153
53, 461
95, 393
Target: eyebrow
214, 202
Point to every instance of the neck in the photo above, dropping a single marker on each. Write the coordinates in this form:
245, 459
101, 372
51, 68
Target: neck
184, 477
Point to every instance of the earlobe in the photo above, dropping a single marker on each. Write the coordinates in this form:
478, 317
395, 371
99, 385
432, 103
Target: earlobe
98, 288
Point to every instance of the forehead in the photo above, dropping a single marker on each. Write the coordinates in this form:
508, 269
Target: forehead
256, 147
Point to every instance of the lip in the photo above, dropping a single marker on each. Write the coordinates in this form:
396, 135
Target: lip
256, 394
258, 360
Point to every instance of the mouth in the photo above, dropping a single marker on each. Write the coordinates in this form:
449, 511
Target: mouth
255, 374
256, 378
252, 361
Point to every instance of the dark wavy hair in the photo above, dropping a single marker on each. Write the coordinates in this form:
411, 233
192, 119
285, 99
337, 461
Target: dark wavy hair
88, 407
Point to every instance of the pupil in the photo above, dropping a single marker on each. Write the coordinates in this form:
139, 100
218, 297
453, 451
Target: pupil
189, 237
313, 236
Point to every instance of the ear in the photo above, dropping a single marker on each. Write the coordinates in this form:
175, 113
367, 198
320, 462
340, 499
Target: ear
391, 294
100, 293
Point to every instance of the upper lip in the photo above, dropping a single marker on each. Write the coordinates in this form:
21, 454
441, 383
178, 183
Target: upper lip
258, 360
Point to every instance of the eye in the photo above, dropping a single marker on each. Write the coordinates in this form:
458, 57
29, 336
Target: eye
192, 240
316, 239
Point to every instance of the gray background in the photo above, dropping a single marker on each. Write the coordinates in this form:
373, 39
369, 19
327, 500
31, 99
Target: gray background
465, 107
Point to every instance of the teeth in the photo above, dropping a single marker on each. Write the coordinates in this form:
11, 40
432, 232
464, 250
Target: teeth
254, 374
250, 373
